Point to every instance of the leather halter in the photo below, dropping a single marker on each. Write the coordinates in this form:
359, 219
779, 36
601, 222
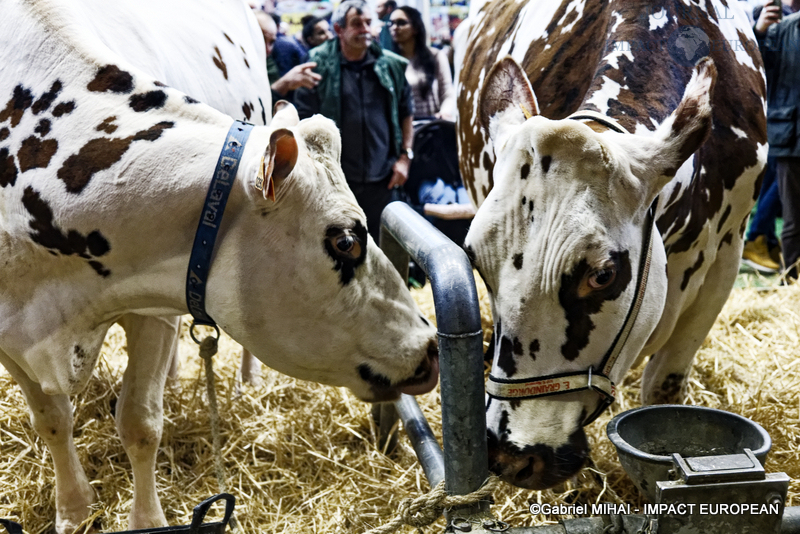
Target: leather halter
210, 221
595, 378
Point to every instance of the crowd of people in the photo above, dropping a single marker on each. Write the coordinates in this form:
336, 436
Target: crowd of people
392, 81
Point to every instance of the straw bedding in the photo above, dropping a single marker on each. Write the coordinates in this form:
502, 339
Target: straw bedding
302, 457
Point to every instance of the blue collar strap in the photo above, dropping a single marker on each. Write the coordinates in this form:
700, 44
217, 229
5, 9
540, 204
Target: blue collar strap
206, 236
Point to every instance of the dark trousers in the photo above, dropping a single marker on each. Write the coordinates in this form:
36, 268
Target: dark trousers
768, 208
788, 173
372, 197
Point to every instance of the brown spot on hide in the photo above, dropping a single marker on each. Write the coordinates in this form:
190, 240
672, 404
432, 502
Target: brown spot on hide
525, 171
36, 153
670, 390
43, 128
687, 274
15, 108
246, 111
505, 357
219, 63
108, 125
45, 232
546, 163
189, 100
518, 261
724, 218
578, 310
533, 348
727, 239
100, 154
64, 108
8, 168
111, 79
228, 38
4, 133
159, 84
47, 98
146, 101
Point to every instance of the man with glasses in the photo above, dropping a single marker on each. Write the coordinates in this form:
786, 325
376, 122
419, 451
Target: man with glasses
365, 92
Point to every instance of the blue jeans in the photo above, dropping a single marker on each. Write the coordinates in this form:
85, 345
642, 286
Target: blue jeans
439, 192
768, 207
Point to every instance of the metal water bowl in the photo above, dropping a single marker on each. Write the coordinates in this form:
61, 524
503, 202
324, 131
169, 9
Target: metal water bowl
647, 437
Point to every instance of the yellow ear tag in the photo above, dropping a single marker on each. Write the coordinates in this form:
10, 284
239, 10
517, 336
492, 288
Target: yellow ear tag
260, 176
525, 112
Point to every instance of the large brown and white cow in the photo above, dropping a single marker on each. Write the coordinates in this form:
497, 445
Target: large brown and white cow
614, 172
103, 173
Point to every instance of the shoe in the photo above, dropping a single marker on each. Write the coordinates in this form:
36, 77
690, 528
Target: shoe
775, 252
756, 255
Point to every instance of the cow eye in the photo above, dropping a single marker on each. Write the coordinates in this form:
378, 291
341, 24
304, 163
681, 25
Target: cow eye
347, 243
602, 278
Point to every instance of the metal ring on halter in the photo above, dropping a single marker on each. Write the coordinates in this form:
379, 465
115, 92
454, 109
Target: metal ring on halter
194, 338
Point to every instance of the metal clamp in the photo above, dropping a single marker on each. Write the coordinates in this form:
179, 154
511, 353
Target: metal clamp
464, 524
721, 468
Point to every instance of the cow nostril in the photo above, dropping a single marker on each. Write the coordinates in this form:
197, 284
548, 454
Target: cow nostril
527, 471
433, 349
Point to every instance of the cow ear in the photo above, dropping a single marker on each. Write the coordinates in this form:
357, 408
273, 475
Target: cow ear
277, 163
684, 131
507, 94
284, 115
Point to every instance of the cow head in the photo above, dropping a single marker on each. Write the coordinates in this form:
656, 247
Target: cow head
316, 298
563, 241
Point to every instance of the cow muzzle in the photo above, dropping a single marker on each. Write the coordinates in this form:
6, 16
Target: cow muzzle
537, 467
424, 379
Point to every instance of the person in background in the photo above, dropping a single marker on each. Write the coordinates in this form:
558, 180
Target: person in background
428, 70
316, 31
287, 52
365, 92
762, 250
779, 41
384, 8
302, 75
434, 186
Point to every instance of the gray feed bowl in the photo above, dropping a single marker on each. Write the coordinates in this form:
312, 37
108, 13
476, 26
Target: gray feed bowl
646, 438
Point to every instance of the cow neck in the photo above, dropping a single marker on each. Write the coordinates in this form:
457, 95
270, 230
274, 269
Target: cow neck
595, 378
210, 221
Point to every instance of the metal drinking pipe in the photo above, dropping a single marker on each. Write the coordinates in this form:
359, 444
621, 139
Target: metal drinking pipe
422, 438
404, 232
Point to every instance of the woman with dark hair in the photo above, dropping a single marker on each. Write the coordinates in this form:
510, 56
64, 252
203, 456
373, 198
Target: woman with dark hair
428, 70
316, 31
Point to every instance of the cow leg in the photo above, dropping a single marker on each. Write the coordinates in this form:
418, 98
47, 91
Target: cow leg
51, 417
140, 409
250, 369
664, 379
174, 359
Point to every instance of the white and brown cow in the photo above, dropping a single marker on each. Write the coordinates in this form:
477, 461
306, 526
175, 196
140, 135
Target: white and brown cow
103, 174
614, 175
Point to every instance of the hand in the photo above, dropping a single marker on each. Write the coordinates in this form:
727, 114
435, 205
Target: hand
771, 14
400, 171
302, 75
445, 116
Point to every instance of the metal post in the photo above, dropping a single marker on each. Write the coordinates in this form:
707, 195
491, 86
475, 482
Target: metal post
460, 343
422, 438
